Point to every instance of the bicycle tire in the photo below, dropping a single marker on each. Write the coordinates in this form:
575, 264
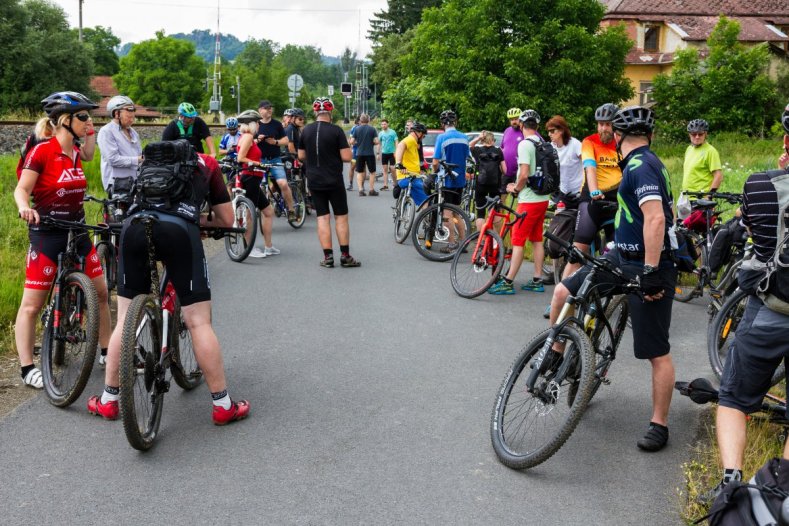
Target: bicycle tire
66, 365
558, 268
183, 364
108, 264
434, 244
245, 216
617, 313
300, 207
688, 285
140, 400
511, 399
487, 267
404, 219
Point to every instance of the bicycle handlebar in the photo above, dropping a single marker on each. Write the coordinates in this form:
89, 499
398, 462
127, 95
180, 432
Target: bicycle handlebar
75, 225
722, 196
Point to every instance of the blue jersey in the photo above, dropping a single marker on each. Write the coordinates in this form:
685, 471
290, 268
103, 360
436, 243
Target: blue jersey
229, 141
452, 147
644, 178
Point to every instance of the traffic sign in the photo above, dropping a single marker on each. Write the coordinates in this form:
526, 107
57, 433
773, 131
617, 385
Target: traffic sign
330, 90
295, 82
346, 88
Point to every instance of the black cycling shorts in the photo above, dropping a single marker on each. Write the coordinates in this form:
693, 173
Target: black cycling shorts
482, 192
592, 215
178, 245
365, 162
337, 197
254, 191
387, 159
452, 195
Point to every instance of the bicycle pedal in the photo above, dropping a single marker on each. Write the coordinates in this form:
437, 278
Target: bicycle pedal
605, 380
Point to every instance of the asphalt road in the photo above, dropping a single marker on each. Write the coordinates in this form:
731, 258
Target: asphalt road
371, 392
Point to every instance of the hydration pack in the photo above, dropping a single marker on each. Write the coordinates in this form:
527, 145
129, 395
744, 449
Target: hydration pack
545, 179
166, 174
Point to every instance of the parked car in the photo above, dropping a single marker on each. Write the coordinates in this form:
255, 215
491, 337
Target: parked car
429, 143
496, 135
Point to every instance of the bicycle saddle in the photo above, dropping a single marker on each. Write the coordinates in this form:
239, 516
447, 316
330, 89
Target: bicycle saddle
703, 204
699, 390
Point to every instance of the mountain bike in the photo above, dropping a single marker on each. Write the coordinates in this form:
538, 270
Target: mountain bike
404, 210
537, 408
434, 236
245, 215
482, 255
70, 321
278, 200
467, 202
107, 240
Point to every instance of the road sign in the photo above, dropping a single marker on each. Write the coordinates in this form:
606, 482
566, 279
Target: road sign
330, 90
295, 82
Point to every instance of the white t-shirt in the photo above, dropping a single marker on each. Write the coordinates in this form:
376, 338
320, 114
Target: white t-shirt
570, 167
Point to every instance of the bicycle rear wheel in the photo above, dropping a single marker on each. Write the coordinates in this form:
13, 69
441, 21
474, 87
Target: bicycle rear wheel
141, 377
432, 235
183, 364
108, 264
606, 344
67, 354
404, 218
238, 246
528, 428
299, 206
474, 270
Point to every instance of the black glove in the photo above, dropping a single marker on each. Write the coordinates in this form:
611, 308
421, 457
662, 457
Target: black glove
400, 166
651, 283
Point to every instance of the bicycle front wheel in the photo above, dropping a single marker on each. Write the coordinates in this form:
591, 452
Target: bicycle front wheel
68, 352
474, 269
141, 396
437, 238
238, 246
299, 206
183, 365
404, 218
529, 427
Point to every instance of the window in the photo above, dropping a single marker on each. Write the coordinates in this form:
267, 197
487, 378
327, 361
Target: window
645, 93
651, 38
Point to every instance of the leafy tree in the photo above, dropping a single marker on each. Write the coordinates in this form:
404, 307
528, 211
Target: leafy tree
307, 62
162, 72
398, 17
480, 57
102, 44
731, 88
387, 57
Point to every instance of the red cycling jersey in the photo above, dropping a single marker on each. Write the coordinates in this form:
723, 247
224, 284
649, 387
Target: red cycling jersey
255, 155
61, 183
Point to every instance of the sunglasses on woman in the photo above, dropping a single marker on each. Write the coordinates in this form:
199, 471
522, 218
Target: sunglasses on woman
82, 116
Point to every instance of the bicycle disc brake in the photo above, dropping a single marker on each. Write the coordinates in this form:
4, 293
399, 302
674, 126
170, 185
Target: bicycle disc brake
547, 398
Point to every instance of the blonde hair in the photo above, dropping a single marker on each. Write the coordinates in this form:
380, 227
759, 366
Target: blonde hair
246, 128
488, 138
45, 129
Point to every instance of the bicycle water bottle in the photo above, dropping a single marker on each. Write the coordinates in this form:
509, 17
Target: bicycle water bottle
560, 206
168, 299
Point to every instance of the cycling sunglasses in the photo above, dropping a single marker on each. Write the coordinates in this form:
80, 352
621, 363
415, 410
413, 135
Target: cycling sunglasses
82, 116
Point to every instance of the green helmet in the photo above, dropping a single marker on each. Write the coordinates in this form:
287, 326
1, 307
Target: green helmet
187, 110
513, 113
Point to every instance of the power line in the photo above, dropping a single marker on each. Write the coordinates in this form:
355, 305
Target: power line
231, 8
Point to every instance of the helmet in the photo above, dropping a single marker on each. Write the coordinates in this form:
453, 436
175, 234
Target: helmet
298, 112
118, 102
187, 110
530, 115
322, 104
288, 112
513, 113
606, 112
448, 117
231, 123
66, 102
634, 120
418, 127
248, 116
785, 119
698, 125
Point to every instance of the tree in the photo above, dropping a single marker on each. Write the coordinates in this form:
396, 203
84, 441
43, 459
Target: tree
102, 44
398, 17
731, 88
162, 72
480, 57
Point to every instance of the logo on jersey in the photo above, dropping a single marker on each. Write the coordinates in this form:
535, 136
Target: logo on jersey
61, 192
94, 258
71, 174
49, 270
33, 254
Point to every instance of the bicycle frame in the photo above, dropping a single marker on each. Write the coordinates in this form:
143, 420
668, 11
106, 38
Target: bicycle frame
494, 206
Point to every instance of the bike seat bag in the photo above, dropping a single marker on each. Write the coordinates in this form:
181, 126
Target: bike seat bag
697, 221
562, 225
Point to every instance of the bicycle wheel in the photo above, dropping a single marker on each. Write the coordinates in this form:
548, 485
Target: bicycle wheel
689, 284
527, 428
238, 246
606, 343
183, 364
299, 206
558, 269
67, 354
108, 266
141, 396
474, 270
404, 218
432, 235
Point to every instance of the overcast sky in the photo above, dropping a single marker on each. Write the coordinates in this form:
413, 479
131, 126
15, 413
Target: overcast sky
331, 25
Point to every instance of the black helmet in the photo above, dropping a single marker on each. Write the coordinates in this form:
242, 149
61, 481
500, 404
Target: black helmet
530, 115
698, 125
606, 112
785, 119
419, 127
298, 112
448, 117
634, 120
66, 102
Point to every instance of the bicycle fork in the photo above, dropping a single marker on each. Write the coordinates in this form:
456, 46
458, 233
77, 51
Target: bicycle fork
546, 391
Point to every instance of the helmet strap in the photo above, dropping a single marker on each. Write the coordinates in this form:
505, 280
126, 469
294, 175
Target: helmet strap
71, 131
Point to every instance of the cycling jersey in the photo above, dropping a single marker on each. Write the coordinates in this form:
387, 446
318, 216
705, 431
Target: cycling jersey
230, 141
410, 156
194, 133
61, 183
322, 143
509, 145
697, 169
254, 154
603, 157
452, 147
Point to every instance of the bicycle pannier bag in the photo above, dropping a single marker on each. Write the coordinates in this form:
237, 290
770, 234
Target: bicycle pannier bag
728, 237
545, 179
563, 226
166, 173
685, 254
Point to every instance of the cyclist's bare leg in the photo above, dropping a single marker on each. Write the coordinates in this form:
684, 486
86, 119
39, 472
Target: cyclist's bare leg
342, 228
286, 193
560, 294
111, 373
572, 267
732, 437
266, 224
662, 387
538, 255
515, 262
25, 327
448, 216
206, 346
105, 329
324, 231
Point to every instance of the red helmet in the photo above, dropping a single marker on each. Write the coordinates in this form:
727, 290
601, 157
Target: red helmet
322, 104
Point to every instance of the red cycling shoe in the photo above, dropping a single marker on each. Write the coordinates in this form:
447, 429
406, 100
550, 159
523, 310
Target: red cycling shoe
238, 411
108, 411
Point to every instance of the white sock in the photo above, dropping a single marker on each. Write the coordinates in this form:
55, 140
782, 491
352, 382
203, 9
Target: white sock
223, 402
107, 396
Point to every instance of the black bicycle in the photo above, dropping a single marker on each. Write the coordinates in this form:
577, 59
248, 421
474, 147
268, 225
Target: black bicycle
537, 408
107, 240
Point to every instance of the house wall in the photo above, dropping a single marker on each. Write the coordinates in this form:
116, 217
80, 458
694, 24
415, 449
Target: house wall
636, 73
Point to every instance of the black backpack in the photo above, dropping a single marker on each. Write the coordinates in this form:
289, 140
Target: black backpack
166, 174
729, 237
489, 165
562, 226
545, 179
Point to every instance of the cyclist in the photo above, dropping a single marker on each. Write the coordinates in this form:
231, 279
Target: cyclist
702, 171
228, 146
293, 131
452, 147
386, 150
490, 160
250, 157
571, 171
52, 175
407, 160
643, 249
364, 138
270, 136
351, 167
287, 117
178, 244
603, 175
513, 135
534, 205
190, 127
119, 143
323, 149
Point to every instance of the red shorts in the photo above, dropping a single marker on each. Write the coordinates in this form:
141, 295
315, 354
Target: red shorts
42, 256
530, 227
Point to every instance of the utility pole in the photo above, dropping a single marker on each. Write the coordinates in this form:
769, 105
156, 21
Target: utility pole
80, 20
215, 104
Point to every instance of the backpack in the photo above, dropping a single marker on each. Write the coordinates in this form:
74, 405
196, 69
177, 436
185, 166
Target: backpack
166, 174
545, 179
562, 225
756, 503
729, 237
489, 160
30, 142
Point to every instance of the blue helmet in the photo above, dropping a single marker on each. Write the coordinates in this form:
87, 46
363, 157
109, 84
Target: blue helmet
231, 123
187, 110
66, 102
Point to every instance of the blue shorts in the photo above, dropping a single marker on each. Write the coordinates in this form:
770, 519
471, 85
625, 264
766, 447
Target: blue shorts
417, 190
277, 172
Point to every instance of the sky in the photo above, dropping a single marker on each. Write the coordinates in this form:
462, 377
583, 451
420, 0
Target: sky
330, 25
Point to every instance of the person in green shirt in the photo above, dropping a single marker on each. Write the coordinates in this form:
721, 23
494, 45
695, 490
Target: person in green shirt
702, 167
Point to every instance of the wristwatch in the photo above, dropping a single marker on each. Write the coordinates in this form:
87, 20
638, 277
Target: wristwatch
649, 269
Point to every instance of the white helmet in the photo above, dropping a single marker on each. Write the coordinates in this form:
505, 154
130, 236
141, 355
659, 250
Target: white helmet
118, 102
